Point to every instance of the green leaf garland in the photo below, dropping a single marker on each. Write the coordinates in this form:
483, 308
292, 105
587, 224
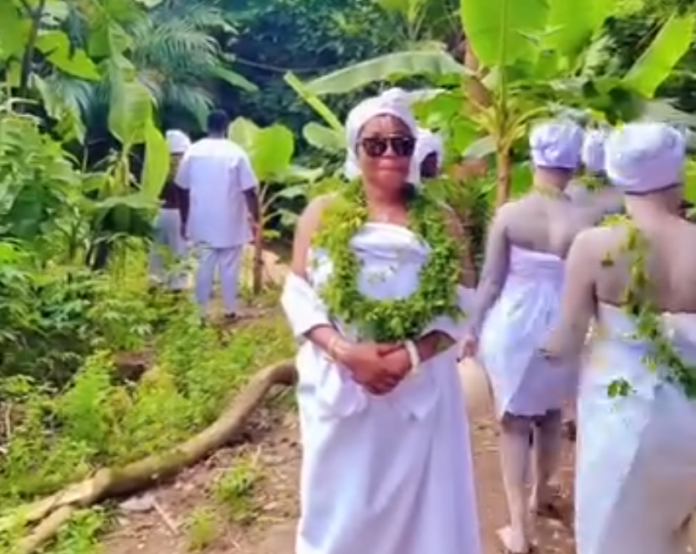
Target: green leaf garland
393, 320
648, 318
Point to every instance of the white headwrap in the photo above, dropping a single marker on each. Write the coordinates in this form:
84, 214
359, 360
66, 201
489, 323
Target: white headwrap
645, 157
556, 144
593, 157
178, 141
395, 94
360, 115
428, 142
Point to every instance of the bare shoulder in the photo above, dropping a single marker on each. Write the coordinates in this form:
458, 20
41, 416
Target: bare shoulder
507, 213
595, 243
311, 217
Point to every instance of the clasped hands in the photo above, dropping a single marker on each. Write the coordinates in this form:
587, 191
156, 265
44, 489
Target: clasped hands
378, 367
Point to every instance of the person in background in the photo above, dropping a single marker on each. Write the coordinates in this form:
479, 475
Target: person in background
429, 154
169, 245
636, 459
224, 210
517, 302
605, 198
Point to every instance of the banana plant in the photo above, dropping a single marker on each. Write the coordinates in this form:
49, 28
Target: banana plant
271, 150
534, 58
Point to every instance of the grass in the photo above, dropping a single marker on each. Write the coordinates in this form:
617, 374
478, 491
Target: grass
234, 491
99, 419
203, 529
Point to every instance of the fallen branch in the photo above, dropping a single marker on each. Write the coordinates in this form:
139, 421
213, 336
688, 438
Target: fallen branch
45, 530
54, 510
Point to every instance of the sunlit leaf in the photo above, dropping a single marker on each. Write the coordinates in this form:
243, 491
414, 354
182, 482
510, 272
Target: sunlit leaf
56, 47
130, 112
576, 26
496, 28
402, 64
323, 138
244, 132
314, 102
235, 79
657, 62
156, 168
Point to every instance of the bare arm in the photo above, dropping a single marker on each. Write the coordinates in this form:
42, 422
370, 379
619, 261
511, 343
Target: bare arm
325, 337
607, 201
578, 304
184, 203
494, 273
249, 185
182, 184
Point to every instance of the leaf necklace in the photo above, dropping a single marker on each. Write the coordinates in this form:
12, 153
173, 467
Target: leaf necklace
398, 319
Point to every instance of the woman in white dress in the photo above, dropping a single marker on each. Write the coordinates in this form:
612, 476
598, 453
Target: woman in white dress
517, 301
636, 464
373, 299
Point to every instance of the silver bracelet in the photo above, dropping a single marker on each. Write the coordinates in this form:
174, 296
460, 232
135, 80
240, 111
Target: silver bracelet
413, 356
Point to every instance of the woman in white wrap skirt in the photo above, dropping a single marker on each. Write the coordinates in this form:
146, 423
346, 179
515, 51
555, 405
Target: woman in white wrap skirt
636, 464
517, 302
387, 465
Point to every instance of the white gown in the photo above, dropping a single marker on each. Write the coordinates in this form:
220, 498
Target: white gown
636, 464
524, 383
381, 475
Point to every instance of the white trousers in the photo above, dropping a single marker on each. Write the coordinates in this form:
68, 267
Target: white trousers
228, 261
168, 248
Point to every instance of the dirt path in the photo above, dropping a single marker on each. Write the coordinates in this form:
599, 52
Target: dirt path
244, 500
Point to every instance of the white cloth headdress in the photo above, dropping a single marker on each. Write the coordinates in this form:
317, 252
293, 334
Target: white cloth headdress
645, 157
556, 144
395, 94
428, 142
593, 156
360, 115
178, 141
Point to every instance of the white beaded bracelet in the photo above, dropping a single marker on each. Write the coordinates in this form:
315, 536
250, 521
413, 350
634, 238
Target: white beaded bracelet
413, 356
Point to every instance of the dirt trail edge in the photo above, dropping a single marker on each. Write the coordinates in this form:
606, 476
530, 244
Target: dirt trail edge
190, 515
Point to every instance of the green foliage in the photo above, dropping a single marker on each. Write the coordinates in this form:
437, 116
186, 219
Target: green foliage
306, 37
234, 490
100, 420
283, 185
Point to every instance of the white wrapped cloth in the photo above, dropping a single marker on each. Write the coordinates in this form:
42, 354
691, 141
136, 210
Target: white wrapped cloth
636, 464
385, 474
427, 142
593, 150
556, 144
524, 382
645, 157
178, 141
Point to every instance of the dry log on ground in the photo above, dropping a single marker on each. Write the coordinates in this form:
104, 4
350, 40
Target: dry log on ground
56, 509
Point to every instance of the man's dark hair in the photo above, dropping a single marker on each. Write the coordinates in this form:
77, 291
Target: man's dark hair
218, 122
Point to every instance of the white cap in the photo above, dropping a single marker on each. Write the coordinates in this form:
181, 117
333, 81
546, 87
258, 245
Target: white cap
645, 157
178, 141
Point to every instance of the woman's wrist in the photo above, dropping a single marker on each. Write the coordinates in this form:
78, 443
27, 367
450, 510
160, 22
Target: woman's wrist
338, 348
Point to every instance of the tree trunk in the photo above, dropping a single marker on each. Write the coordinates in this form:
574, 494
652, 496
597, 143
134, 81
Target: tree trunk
257, 267
504, 166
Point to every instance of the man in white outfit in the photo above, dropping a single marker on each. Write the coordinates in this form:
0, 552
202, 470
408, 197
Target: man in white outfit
169, 246
222, 190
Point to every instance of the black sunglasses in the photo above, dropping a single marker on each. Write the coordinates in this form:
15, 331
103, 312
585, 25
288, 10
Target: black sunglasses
376, 147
